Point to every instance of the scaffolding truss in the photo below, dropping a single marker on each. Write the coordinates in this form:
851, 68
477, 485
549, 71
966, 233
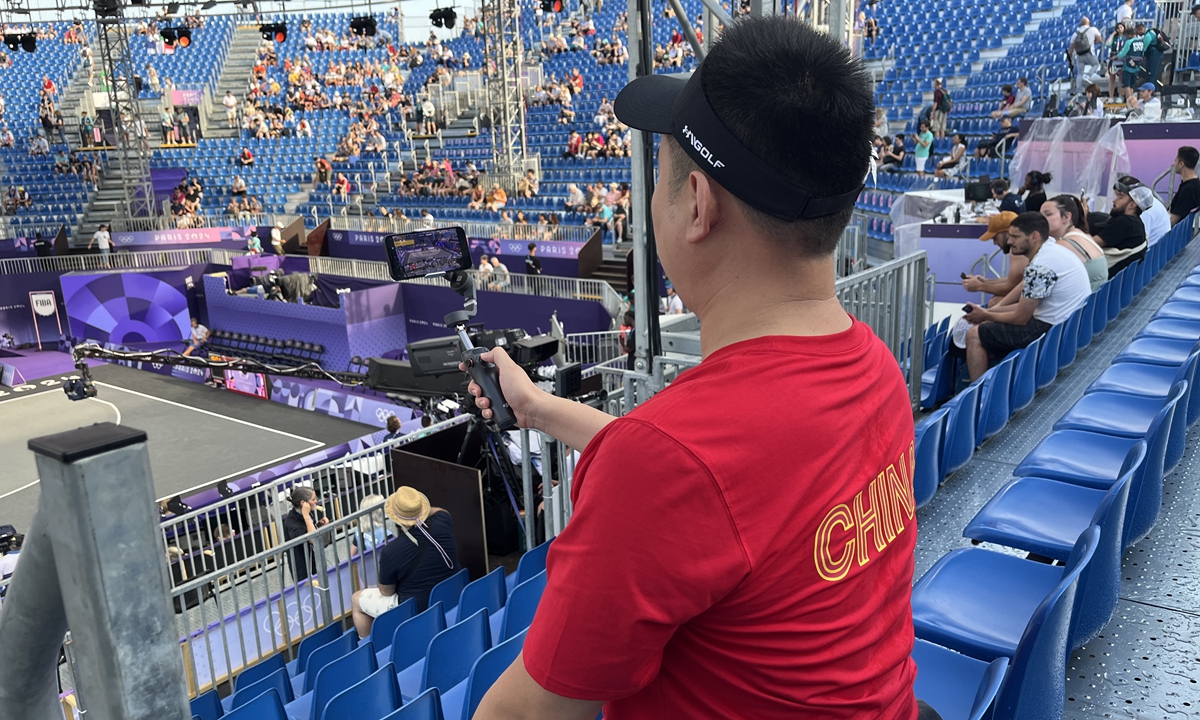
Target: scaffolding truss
120, 81
504, 58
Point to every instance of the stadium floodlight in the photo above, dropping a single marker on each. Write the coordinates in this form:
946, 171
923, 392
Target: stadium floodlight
274, 31
364, 25
554, 6
185, 37
29, 42
168, 36
13, 42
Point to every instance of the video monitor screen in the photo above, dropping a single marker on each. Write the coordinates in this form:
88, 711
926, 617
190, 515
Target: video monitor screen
253, 384
427, 252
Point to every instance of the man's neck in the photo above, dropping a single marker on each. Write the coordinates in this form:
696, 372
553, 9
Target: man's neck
799, 301
1188, 174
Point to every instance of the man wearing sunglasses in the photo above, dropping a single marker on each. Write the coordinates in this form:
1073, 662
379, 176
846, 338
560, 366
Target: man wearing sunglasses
1124, 238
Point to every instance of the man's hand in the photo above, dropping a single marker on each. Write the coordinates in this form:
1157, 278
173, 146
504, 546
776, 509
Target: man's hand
976, 314
519, 391
973, 283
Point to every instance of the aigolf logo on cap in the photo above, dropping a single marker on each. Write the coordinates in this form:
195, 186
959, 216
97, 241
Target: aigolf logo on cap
700, 148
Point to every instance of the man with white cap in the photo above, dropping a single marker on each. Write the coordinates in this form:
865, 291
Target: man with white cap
422, 554
732, 568
277, 238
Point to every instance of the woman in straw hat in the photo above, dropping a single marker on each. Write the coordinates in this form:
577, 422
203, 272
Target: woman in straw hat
421, 555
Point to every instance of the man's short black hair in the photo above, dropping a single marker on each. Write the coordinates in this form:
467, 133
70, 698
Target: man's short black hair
532, 247
1023, 80
1006, 89
813, 123
1000, 185
1189, 156
1031, 222
300, 495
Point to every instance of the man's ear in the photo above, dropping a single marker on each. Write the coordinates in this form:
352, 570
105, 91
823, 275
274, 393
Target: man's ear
707, 200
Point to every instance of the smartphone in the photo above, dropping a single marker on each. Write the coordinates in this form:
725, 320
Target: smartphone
963, 276
426, 253
967, 308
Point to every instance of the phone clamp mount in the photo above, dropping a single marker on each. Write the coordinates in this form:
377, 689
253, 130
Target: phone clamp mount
485, 374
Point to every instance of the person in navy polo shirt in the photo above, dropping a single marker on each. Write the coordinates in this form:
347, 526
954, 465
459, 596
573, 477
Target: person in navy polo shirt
731, 555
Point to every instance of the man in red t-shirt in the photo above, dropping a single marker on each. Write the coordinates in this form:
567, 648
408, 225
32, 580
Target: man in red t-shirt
742, 543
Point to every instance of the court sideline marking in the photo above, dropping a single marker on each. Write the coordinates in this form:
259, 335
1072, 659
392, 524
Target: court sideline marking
313, 444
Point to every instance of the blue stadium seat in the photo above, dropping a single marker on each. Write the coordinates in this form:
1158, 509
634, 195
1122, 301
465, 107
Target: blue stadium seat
451, 654
1045, 517
411, 642
384, 626
333, 679
960, 430
1047, 365
207, 706
264, 707
467, 695
1152, 381
325, 635
1086, 323
927, 475
517, 614
277, 681
994, 399
1069, 345
486, 593
258, 671
957, 686
321, 657
426, 706
531, 564
448, 591
375, 697
1024, 382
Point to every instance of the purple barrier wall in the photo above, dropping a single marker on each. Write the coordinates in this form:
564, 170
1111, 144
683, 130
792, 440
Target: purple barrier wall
426, 306
16, 248
329, 398
282, 321
375, 320
126, 307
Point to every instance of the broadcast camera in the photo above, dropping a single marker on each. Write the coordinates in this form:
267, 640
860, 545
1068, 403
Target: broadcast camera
10, 539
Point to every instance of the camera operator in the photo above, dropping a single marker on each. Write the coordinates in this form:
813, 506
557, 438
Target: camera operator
714, 566
10, 545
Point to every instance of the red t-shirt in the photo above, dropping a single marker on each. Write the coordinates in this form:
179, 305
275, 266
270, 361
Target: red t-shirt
742, 544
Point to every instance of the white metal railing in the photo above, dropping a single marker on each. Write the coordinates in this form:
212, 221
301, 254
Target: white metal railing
137, 260
239, 542
891, 299
594, 347
850, 255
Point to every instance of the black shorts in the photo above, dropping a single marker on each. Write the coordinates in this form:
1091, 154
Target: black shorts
999, 339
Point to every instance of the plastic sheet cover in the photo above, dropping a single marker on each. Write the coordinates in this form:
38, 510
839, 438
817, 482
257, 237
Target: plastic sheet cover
1080, 153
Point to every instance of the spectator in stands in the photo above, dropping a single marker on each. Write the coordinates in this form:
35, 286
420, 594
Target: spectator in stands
1154, 56
429, 117
253, 243
197, 338
409, 566
1116, 63
576, 201
183, 120
341, 187
1007, 98
393, 428
998, 288
527, 187
1054, 284
893, 157
941, 108
238, 187
300, 522
1086, 105
499, 275
1149, 105
1033, 190
881, 123
62, 162
1125, 12
1133, 52
166, 124
426, 222
923, 149
1008, 201
103, 242
3, 106
39, 146
1068, 226
1187, 197
956, 162
152, 79
371, 532
485, 267
496, 198
230, 102
1007, 135
1156, 218
1081, 51
1124, 237
7, 139
246, 158
323, 168
674, 302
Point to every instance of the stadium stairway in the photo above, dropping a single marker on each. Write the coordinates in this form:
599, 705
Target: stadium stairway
239, 64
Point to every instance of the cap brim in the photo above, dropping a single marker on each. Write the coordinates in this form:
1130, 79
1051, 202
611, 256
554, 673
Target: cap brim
646, 103
988, 236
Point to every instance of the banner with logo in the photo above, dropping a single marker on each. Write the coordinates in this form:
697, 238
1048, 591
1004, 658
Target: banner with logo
232, 237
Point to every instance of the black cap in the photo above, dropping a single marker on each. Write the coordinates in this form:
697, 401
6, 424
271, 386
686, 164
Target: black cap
678, 107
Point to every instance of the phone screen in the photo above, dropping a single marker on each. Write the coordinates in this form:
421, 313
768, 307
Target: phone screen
427, 252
